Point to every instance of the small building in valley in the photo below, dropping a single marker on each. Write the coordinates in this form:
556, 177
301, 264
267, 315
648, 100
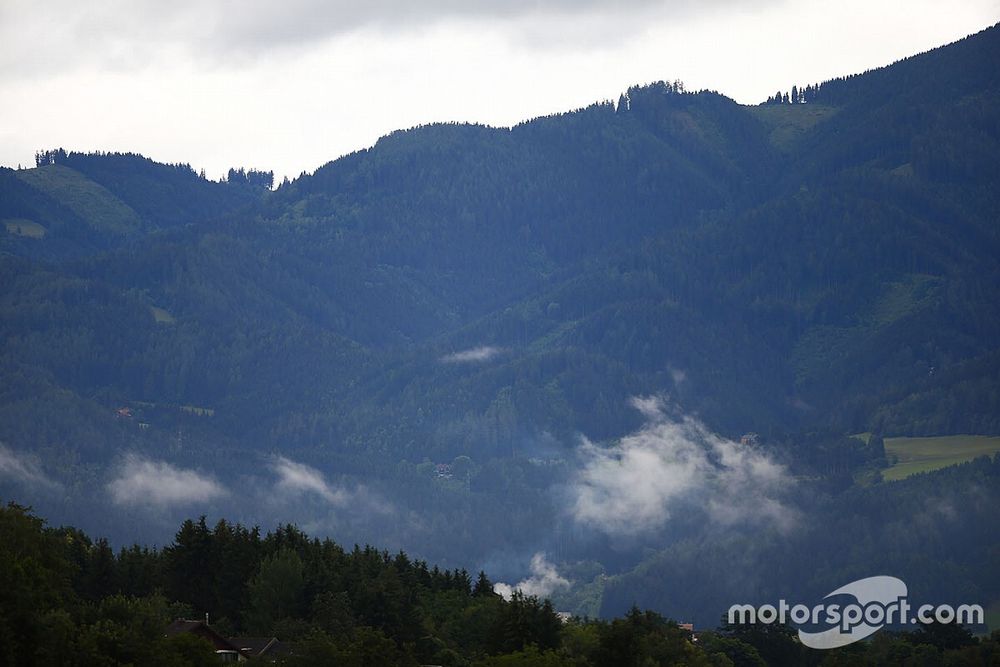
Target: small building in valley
266, 648
224, 648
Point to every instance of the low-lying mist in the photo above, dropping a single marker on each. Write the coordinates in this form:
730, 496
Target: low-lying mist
672, 515
675, 463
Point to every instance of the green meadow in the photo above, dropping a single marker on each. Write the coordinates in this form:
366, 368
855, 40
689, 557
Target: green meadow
91, 201
910, 456
24, 227
789, 123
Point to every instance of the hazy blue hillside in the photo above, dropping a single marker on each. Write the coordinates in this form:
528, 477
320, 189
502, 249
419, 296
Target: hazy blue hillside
438, 343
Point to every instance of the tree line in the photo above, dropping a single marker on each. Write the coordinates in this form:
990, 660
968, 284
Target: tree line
67, 599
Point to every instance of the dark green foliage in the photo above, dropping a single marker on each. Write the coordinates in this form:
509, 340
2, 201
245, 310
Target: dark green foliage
841, 281
942, 636
483, 587
738, 652
525, 621
850, 282
645, 637
775, 644
276, 592
252, 178
366, 606
912, 528
189, 566
34, 585
164, 195
437, 618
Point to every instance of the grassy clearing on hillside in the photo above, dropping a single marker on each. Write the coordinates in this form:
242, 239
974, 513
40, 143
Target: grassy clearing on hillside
915, 455
161, 315
24, 227
91, 201
790, 122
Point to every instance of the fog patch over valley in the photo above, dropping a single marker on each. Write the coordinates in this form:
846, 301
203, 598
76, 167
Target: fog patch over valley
543, 581
637, 484
303, 494
24, 469
297, 478
158, 484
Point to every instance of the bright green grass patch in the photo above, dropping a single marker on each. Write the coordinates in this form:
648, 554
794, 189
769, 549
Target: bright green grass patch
790, 122
91, 201
24, 227
161, 315
915, 455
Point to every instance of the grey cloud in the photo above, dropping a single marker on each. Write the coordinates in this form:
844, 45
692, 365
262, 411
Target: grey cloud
119, 35
312, 19
145, 482
23, 468
636, 485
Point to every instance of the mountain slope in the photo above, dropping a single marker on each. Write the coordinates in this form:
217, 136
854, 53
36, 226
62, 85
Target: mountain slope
484, 297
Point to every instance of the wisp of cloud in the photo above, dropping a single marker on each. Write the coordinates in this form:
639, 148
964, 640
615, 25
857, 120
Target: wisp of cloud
635, 486
473, 355
297, 478
22, 469
158, 484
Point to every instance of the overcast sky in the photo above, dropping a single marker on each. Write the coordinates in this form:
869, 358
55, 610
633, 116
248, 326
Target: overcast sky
291, 85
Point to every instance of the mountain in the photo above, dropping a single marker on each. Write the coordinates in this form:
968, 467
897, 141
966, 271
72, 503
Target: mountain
481, 298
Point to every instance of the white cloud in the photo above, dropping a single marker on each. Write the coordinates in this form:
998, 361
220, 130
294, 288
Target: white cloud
197, 82
636, 485
297, 478
142, 481
22, 468
473, 355
543, 582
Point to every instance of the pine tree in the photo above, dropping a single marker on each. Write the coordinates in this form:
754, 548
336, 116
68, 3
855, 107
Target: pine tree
622, 103
483, 587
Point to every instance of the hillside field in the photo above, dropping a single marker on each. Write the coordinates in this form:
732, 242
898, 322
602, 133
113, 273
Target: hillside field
910, 456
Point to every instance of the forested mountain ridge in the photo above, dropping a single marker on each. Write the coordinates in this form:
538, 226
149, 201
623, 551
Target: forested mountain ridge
482, 297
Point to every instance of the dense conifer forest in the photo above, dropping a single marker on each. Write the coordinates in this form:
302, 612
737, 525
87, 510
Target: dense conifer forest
68, 600
450, 343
